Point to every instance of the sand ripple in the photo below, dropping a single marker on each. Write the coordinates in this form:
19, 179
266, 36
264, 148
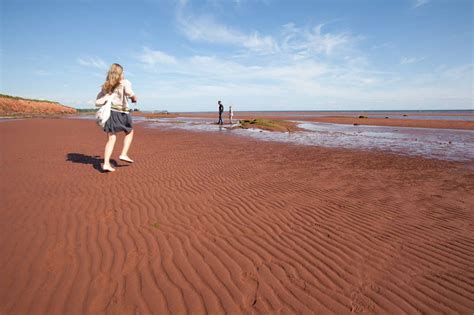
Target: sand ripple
209, 223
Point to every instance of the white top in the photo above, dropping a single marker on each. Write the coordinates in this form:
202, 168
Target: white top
118, 97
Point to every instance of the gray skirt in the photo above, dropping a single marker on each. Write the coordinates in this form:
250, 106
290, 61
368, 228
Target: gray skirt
118, 122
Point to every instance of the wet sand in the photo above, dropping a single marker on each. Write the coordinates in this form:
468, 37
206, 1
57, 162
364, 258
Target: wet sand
396, 120
212, 223
414, 123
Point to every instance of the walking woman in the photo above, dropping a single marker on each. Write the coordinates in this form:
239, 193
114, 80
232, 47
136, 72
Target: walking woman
117, 89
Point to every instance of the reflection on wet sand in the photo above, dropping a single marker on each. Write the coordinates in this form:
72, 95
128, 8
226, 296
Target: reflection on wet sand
443, 144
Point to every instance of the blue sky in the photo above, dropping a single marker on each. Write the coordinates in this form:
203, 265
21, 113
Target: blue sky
255, 55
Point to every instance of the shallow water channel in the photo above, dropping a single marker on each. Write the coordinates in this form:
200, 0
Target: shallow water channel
443, 144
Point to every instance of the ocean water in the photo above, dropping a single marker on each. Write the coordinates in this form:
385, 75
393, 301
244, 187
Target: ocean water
443, 144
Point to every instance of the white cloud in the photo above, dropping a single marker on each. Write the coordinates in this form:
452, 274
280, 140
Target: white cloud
409, 60
305, 43
326, 43
94, 62
205, 28
199, 81
257, 43
302, 42
419, 3
312, 67
152, 57
210, 69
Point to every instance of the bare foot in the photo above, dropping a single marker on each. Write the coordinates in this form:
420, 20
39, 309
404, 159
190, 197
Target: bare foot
108, 168
125, 158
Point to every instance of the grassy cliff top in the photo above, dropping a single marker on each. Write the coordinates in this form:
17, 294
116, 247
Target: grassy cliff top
26, 99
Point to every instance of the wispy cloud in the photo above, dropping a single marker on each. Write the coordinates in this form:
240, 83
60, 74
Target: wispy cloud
409, 60
296, 62
208, 76
258, 43
419, 3
207, 29
307, 42
314, 66
211, 68
199, 80
328, 42
94, 62
152, 57
301, 41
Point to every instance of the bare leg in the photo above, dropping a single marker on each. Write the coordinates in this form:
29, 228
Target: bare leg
127, 141
109, 147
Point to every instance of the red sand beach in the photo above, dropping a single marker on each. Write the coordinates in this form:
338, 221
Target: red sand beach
414, 123
212, 223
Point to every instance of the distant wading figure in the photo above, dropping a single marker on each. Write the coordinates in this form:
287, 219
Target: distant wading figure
117, 89
221, 110
231, 114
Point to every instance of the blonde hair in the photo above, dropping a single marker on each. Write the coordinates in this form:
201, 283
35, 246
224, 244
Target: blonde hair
114, 76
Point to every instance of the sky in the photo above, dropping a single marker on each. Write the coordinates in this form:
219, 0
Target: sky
185, 55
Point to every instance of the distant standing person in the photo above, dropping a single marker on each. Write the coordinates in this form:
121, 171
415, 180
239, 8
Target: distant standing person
231, 114
117, 89
221, 110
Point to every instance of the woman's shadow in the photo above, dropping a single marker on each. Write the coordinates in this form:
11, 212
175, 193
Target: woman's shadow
87, 159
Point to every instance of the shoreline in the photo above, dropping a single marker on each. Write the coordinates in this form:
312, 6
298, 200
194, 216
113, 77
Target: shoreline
329, 117
447, 112
405, 122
